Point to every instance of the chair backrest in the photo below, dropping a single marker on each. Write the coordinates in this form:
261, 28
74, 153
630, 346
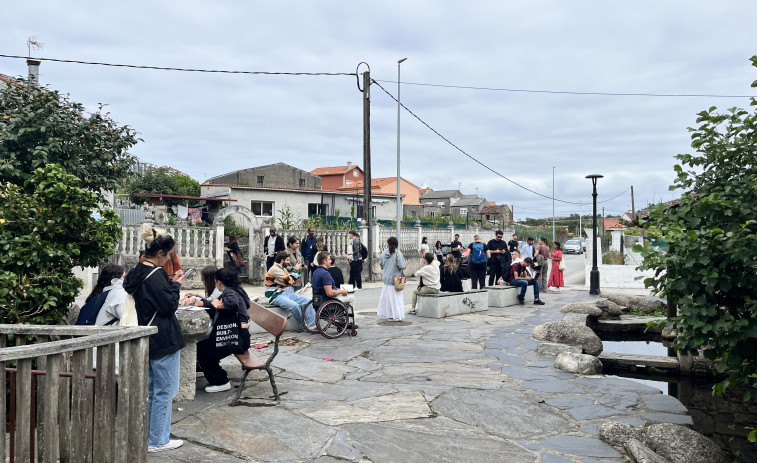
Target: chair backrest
266, 319
336, 274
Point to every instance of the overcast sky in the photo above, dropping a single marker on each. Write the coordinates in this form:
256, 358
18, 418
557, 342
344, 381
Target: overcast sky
209, 124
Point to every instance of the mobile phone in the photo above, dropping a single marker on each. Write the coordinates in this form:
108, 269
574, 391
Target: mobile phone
187, 273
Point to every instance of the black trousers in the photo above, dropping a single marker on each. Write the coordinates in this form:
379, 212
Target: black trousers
477, 275
211, 364
495, 271
269, 262
356, 268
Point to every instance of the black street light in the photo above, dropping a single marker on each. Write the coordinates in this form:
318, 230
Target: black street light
594, 275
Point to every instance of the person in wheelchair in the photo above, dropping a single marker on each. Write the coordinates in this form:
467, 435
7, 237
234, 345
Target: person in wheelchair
323, 283
278, 290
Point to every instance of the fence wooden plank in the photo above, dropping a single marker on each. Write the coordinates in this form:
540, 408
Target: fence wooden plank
125, 391
64, 414
22, 443
41, 405
105, 399
3, 392
81, 407
48, 447
138, 402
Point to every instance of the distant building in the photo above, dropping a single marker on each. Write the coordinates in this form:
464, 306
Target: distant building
497, 215
409, 192
469, 207
333, 178
442, 199
277, 175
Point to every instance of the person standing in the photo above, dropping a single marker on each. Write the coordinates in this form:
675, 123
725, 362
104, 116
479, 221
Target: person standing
429, 279
457, 249
527, 250
392, 262
424, 248
477, 262
438, 252
272, 245
156, 299
499, 257
233, 250
296, 261
542, 260
556, 279
513, 244
308, 253
356, 261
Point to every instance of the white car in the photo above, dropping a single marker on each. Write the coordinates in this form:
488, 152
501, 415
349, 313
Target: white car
573, 247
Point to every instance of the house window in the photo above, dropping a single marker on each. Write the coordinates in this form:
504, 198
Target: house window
349, 182
262, 207
354, 173
412, 213
302, 183
440, 204
318, 209
433, 214
463, 210
260, 179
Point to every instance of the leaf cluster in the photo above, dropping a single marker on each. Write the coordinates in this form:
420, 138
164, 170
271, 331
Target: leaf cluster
710, 268
46, 229
162, 181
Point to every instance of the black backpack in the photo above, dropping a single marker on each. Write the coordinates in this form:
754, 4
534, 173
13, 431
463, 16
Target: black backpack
88, 313
363, 252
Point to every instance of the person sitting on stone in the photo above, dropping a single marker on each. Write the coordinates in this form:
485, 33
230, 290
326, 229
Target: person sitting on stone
516, 259
323, 283
520, 277
278, 290
429, 279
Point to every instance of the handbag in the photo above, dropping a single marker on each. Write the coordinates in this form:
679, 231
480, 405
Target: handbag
562, 264
399, 280
225, 336
238, 260
129, 314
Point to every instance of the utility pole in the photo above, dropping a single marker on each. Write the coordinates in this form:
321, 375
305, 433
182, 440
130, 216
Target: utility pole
633, 206
367, 200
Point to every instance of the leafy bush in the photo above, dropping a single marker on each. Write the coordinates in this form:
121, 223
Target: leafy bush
229, 227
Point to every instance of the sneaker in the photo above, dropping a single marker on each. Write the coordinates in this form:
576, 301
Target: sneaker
172, 444
218, 388
538, 302
413, 312
522, 301
312, 328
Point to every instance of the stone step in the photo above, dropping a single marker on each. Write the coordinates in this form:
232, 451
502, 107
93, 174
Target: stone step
625, 324
634, 361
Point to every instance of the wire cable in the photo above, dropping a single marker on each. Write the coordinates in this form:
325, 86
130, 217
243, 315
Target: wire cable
565, 92
163, 68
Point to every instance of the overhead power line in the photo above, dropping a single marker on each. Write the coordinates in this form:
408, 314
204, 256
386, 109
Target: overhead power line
566, 92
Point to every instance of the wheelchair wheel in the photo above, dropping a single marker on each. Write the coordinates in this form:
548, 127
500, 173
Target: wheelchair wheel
331, 319
305, 325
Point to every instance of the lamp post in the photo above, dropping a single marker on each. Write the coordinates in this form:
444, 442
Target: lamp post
399, 198
594, 275
553, 203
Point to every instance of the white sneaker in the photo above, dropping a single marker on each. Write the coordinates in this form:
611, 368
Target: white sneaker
172, 444
219, 388
312, 328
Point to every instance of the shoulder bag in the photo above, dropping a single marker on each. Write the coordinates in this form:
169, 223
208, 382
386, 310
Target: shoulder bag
562, 263
399, 280
226, 335
129, 316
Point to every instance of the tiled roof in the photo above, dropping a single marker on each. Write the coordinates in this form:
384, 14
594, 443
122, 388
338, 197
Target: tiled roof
440, 194
468, 202
273, 188
337, 170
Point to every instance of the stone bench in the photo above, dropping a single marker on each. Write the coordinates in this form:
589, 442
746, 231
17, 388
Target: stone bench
506, 295
444, 304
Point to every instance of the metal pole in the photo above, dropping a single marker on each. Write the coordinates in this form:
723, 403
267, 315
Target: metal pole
399, 198
553, 203
594, 276
367, 175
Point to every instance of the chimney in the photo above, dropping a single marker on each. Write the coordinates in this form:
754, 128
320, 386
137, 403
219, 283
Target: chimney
349, 164
33, 71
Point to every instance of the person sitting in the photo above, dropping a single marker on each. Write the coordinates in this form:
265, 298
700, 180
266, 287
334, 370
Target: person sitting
278, 290
516, 259
451, 278
208, 277
520, 277
323, 283
429, 279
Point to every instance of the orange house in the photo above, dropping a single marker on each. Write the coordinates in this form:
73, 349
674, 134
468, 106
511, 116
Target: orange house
332, 178
388, 185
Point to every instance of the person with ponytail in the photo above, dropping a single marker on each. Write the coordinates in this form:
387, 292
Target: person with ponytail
233, 300
156, 298
392, 262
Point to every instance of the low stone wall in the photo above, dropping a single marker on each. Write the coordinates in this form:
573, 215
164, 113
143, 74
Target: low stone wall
444, 304
506, 295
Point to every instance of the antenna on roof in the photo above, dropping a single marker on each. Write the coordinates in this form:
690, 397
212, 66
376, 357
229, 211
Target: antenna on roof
34, 43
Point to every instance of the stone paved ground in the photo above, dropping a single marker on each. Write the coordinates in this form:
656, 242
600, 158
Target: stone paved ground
466, 389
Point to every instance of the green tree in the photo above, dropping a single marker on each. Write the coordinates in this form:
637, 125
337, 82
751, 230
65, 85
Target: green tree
162, 181
40, 127
710, 268
46, 229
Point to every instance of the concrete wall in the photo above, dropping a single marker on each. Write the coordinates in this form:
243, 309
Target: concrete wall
277, 175
615, 276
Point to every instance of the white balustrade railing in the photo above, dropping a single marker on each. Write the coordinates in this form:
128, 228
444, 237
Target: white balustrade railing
190, 241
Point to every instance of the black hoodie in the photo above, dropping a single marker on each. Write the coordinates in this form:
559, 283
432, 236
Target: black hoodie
159, 296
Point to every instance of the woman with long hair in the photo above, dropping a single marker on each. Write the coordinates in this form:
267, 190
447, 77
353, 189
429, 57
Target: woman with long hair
556, 279
392, 262
438, 252
424, 248
320, 245
208, 278
450, 276
233, 249
94, 303
156, 298
113, 307
230, 308
296, 261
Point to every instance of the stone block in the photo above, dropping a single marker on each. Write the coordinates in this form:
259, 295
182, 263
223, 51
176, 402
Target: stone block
554, 349
582, 364
506, 295
444, 304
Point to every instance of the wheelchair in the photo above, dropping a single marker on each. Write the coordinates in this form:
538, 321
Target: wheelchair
332, 317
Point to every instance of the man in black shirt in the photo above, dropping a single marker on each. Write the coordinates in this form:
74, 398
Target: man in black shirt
499, 257
457, 249
513, 244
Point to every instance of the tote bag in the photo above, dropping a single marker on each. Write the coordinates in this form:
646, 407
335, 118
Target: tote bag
399, 280
226, 337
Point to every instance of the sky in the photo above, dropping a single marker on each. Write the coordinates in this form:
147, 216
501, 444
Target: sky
207, 124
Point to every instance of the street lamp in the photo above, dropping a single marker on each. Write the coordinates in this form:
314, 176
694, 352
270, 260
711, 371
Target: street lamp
399, 199
553, 203
594, 275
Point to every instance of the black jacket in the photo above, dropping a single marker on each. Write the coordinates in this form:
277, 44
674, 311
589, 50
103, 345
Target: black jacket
160, 296
279, 246
451, 282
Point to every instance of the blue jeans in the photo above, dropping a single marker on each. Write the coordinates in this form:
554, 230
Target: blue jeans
238, 270
524, 284
294, 303
163, 384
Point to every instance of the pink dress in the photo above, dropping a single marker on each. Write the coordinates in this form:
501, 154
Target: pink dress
555, 275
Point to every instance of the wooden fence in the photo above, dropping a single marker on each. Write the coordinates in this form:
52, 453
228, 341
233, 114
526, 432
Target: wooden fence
62, 410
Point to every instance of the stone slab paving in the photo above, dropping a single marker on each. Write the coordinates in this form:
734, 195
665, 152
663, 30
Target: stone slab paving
469, 388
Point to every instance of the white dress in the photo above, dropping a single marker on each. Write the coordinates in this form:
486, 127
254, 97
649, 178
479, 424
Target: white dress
391, 302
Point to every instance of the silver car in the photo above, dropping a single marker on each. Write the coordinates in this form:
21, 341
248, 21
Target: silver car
573, 247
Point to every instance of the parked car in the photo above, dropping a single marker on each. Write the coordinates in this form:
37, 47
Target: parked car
573, 246
583, 243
